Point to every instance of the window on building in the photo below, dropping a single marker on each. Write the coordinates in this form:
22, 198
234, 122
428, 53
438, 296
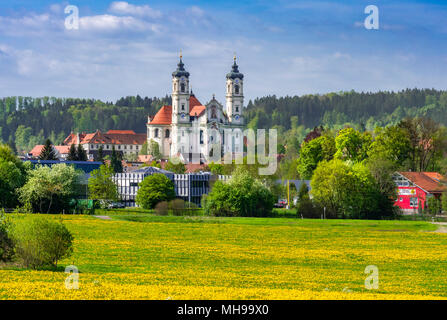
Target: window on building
182, 87
156, 133
137, 147
401, 199
201, 136
167, 133
119, 147
183, 107
236, 89
91, 146
131, 147
413, 202
237, 108
107, 146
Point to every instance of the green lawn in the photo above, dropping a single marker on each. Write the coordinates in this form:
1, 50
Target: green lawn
142, 256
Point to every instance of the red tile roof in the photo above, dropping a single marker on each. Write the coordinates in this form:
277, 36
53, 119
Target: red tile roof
144, 158
194, 167
197, 111
121, 132
111, 137
193, 101
37, 150
426, 181
164, 115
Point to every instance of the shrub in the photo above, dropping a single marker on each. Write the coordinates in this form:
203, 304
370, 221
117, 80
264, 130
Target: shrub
6, 243
162, 208
305, 207
42, 242
50, 189
242, 195
177, 207
180, 207
434, 206
154, 189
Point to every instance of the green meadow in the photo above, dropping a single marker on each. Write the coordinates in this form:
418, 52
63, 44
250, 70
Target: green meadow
143, 256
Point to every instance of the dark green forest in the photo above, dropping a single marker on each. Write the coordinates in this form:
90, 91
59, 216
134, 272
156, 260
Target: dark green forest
337, 110
27, 121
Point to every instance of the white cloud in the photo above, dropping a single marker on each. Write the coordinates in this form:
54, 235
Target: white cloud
56, 8
112, 23
125, 8
196, 11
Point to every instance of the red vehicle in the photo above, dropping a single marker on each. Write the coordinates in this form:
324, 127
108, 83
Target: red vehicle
282, 203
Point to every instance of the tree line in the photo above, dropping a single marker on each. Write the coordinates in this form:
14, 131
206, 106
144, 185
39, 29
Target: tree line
27, 121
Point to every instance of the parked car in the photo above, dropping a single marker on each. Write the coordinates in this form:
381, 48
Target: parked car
116, 205
282, 203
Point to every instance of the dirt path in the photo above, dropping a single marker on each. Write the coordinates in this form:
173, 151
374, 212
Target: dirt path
442, 227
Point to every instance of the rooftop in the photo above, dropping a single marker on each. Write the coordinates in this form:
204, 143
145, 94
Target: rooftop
429, 181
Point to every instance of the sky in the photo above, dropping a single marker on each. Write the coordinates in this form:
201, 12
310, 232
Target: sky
284, 47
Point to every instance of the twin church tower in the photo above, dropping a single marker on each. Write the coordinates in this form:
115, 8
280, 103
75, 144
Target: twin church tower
172, 124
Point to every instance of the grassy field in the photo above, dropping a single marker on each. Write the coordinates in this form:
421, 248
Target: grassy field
140, 256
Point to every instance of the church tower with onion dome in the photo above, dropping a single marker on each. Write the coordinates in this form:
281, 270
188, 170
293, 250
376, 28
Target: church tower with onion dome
235, 94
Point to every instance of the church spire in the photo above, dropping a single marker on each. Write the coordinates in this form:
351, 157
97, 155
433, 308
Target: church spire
235, 71
180, 72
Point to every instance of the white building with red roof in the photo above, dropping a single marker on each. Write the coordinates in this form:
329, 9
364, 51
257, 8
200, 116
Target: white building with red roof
124, 141
190, 129
61, 152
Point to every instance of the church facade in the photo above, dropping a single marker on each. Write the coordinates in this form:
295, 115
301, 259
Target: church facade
188, 129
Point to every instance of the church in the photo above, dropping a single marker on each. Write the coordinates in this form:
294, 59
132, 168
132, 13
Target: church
190, 130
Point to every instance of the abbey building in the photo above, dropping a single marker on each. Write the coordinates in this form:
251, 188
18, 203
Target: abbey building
188, 129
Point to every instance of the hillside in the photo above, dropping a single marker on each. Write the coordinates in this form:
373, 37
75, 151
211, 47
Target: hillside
333, 110
26, 121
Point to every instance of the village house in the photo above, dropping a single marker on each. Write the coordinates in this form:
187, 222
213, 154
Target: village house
125, 141
415, 188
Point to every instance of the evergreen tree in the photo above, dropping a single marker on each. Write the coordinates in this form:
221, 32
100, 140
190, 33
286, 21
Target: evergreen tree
100, 156
12, 144
72, 153
47, 152
82, 155
115, 161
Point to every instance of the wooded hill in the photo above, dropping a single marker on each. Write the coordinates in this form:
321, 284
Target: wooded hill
26, 121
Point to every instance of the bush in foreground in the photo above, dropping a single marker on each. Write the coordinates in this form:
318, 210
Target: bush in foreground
6, 243
241, 196
177, 207
42, 242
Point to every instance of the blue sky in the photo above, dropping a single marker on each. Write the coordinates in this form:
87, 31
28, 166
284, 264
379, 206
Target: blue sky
284, 47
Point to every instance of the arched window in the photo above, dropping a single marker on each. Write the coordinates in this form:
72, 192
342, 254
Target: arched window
167, 133
156, 133
182, 87
236, 89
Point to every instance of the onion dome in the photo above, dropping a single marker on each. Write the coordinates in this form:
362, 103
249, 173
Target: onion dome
180, 72
235, 71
